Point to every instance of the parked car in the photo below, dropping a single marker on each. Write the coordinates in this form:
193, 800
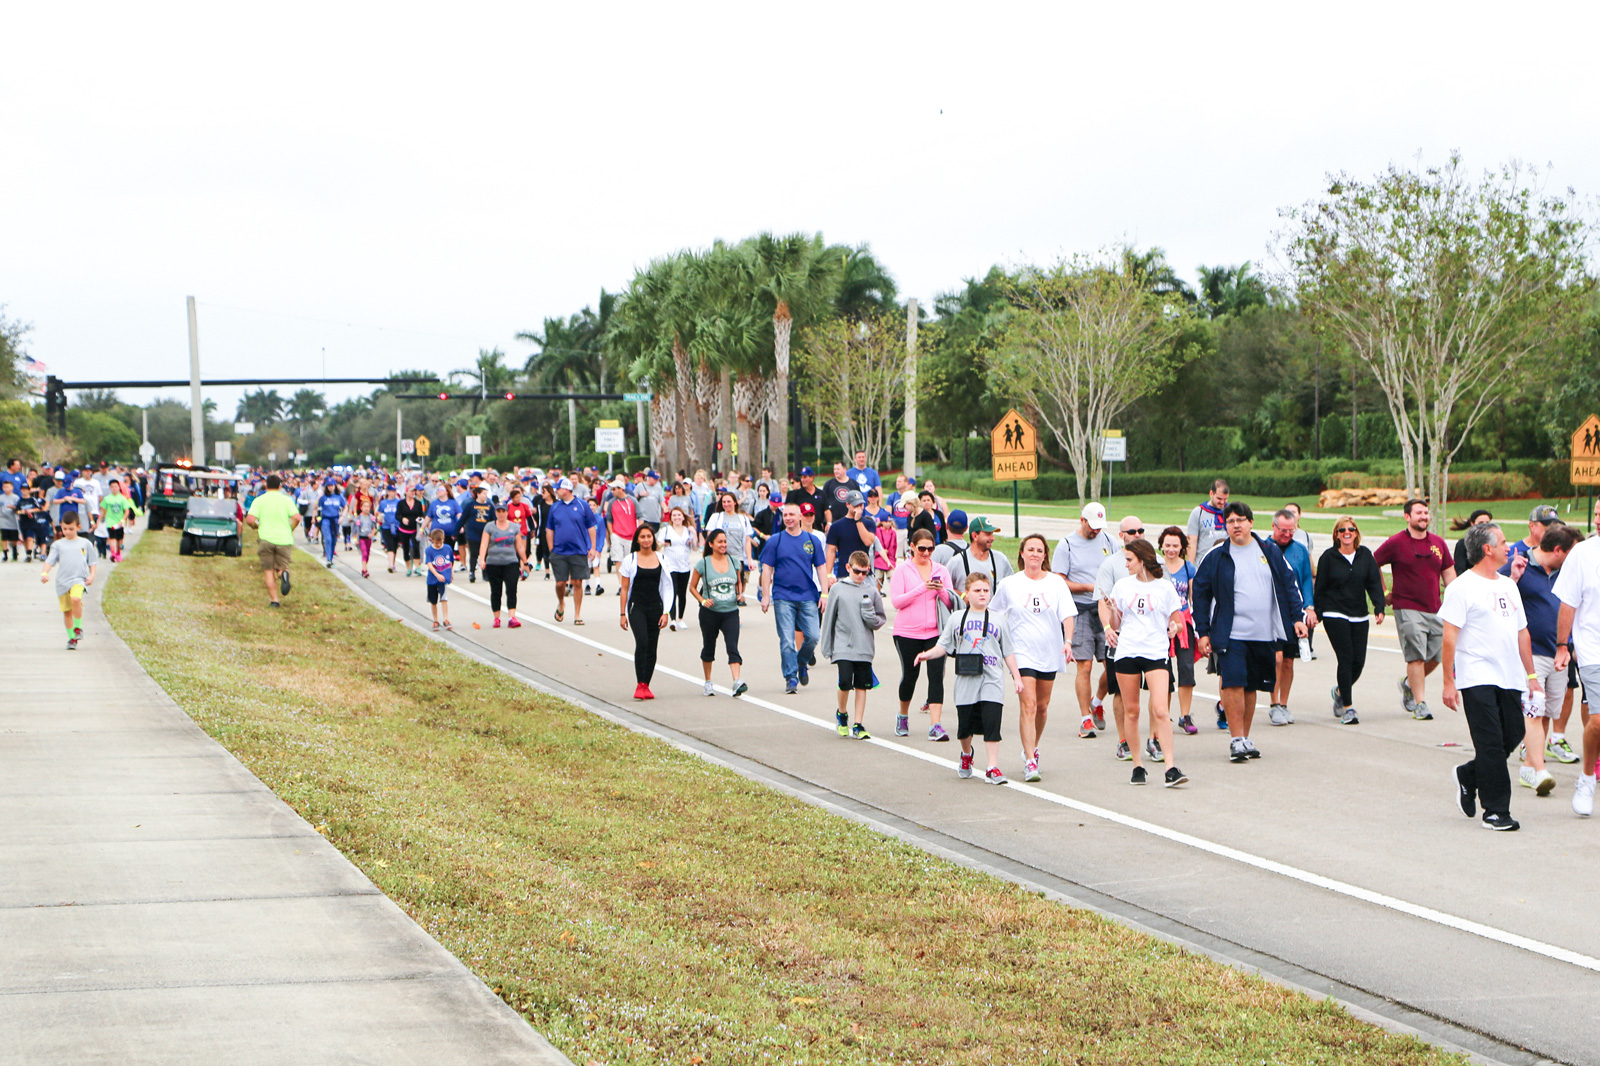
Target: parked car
210, 524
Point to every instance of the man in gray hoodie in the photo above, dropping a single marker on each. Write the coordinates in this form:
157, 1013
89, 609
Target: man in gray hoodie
855, 612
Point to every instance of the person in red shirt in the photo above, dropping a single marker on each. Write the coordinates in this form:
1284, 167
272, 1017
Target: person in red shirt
518, 510
1418, 561
622, 518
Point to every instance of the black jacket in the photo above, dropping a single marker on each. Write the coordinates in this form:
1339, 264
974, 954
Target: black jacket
1344, 587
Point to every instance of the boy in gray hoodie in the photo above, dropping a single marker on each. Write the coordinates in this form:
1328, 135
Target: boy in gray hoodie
855, 612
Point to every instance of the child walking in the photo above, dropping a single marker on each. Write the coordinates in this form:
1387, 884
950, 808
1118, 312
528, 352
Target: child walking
855, 612
74, 559
981, 645
439, 559
366, 527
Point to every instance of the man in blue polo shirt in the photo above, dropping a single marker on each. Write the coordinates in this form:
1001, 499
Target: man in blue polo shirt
1535, 572
791, 584
570, 534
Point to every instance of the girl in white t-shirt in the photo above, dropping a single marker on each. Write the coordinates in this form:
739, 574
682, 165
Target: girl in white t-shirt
1038, 608
1146, 614
678, 544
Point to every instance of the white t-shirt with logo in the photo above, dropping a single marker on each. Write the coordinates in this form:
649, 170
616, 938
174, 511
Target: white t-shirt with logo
1488, 612
1035, 611
1146, 608
1578, 586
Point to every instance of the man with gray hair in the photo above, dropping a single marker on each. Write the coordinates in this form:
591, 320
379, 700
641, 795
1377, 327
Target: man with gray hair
1284, 526
1578, 634
1485, 640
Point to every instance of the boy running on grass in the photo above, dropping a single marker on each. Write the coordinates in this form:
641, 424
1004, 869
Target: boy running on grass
440, 560
74, 559
980, 682
855, 612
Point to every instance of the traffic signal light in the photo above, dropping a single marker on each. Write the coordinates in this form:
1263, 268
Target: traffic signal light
444, 396
511, 396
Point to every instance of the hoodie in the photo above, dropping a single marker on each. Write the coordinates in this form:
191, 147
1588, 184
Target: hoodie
854, 613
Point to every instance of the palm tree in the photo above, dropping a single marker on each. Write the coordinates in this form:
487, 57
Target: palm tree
305, 407
793, 278
490, 374
639, 335
1230, 290
261, 407
1158, 275
865, 286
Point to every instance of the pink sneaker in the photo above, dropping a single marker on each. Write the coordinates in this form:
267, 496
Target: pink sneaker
496, 624
513, 624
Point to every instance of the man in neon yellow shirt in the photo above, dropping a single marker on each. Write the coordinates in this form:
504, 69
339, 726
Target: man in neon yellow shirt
117, 510
274, 515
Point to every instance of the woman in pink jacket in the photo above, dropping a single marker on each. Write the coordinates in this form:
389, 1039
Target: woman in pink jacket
917, 589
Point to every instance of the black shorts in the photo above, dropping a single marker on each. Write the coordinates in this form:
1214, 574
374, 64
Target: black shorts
1037, 675
9, 535
1249, 664
854, 675
1135, 664
1290, 647
975, 718
391, 540
1184, 658
113, 532
438, 593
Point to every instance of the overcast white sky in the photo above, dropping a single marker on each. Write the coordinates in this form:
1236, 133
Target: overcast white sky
455, 173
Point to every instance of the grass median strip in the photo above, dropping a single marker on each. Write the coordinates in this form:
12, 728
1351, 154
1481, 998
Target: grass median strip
639, 905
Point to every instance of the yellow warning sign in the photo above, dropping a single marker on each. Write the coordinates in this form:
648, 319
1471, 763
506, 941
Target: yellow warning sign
1014, 449
1586, 452
423, 444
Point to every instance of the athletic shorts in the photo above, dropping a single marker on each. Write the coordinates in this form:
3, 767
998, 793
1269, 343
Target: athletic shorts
1088, 635
438, 593
1037, 675
620, 547
1421, 635
1552, 682
1249, 664
854, 675
391, 540
1588, 676
74, 596
9, 535
1135, 665
570, 567
273, 556
982, 717
113, 532
1184, 659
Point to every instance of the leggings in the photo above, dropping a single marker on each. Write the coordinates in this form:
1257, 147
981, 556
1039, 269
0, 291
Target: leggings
646, 628
680, 591
473, 544
409, 548
1349, 640
366, 550
712, 623
909, 648
502, 576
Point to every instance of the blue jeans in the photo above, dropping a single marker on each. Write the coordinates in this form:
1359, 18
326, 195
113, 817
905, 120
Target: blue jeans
330, 537
792, 615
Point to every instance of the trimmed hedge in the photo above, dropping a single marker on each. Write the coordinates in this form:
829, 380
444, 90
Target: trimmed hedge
1249, 481
1464, 484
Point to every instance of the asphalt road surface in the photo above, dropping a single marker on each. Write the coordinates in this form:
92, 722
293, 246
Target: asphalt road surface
1338, 860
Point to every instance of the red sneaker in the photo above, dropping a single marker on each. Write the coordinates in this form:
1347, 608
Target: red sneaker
496, 624
513, 624
642, 692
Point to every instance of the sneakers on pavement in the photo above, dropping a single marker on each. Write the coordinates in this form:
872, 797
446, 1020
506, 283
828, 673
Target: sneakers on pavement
1421, 713
1338, 704
1467, 790
1030, 770
1542, 782
1222, 718
805, 675
966, 766
1099, 715
1349, 717
936, 733
1500, 822
1583, 796
859, 732
790, 688
902, 725
1122, 751
1086, 728
1175, 777
994, 776
710, 691
740, 689
1250, 749
1153, 752
1237, 752
1186, 723
1278, 714
1407, 700
842, 723
1560, 751
1139, 776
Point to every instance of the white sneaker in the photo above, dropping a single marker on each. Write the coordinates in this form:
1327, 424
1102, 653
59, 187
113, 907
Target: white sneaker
1541, 781
710, 691
1278, 714
1583, 796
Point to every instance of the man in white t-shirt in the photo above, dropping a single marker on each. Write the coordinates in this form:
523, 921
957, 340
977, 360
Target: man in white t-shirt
1485, 642
1578, 634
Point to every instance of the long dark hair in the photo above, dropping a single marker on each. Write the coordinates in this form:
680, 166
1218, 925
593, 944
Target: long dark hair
1146, 554
713, 535
644, 527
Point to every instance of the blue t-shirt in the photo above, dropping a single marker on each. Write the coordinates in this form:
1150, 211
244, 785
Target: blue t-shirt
794, 560
1180, 579
69, 498
846, 539
330, 505
386, 510
1539, 604
442, 557
18, 481
444, 514
864, 479
569, 524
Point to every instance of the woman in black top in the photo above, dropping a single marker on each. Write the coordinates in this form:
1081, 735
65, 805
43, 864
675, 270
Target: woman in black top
541, 512
928, 518
408, 522
1347, 578
647, 598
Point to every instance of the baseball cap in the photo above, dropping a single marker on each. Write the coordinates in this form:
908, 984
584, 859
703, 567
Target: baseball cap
980, 525
806, 471
500, 505
619, 482
1544, 513
564, 483
807, 508
652, 474
956, 520
854, 498
1095, 515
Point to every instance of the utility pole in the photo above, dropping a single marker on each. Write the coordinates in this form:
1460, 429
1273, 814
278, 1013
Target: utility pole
398, 409
197, 411
572, 433
909, 461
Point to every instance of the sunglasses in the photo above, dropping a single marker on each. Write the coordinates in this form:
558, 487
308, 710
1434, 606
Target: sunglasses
856, 570
1346, 529
924, 550
1139, 531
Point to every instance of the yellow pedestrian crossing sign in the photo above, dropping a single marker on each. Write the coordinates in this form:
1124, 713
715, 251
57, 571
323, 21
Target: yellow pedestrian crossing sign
1013, 449
423, 446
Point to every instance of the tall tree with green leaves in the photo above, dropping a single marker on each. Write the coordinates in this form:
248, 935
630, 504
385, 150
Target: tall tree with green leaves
1439, 283
488, 375
261, 407
304, 409
1226, 290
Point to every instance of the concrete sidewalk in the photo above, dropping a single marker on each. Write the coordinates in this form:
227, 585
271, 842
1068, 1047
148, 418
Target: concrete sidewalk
159, 905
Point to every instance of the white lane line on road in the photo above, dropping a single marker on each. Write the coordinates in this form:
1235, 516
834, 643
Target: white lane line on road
1343, 888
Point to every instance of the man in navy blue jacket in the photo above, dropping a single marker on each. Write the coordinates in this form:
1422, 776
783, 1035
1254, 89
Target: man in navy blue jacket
1246, 602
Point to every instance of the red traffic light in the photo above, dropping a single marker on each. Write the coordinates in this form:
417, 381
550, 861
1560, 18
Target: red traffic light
511, 396
444, 396
719, 445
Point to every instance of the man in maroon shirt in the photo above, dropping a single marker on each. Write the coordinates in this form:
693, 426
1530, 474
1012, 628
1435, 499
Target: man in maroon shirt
1418, 561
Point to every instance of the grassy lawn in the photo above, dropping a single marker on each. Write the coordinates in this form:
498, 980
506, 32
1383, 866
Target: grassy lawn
638, 905
1172, 509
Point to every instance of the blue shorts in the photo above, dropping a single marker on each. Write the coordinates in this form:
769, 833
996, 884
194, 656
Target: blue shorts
1249, 664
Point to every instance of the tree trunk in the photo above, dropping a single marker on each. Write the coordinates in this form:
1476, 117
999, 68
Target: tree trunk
572, 432
779, 447
725, 419
688, 455
749, 406
663, 428
704, 397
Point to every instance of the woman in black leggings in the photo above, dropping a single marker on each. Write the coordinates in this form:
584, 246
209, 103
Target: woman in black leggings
646, 596
714, 582
504, 552
1347, 578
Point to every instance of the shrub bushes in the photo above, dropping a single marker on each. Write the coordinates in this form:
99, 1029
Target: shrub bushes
1464, 484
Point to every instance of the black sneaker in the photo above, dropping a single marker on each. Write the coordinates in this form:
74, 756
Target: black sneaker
1138, 777
1237, 752
1466, 790
274, 603
805, 676
283, 583
1176, 777
1500, 823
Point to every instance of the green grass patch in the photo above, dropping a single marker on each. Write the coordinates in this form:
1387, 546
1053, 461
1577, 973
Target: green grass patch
639, 905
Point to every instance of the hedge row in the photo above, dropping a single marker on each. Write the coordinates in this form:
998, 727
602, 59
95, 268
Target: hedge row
1246, 481
1464, 484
